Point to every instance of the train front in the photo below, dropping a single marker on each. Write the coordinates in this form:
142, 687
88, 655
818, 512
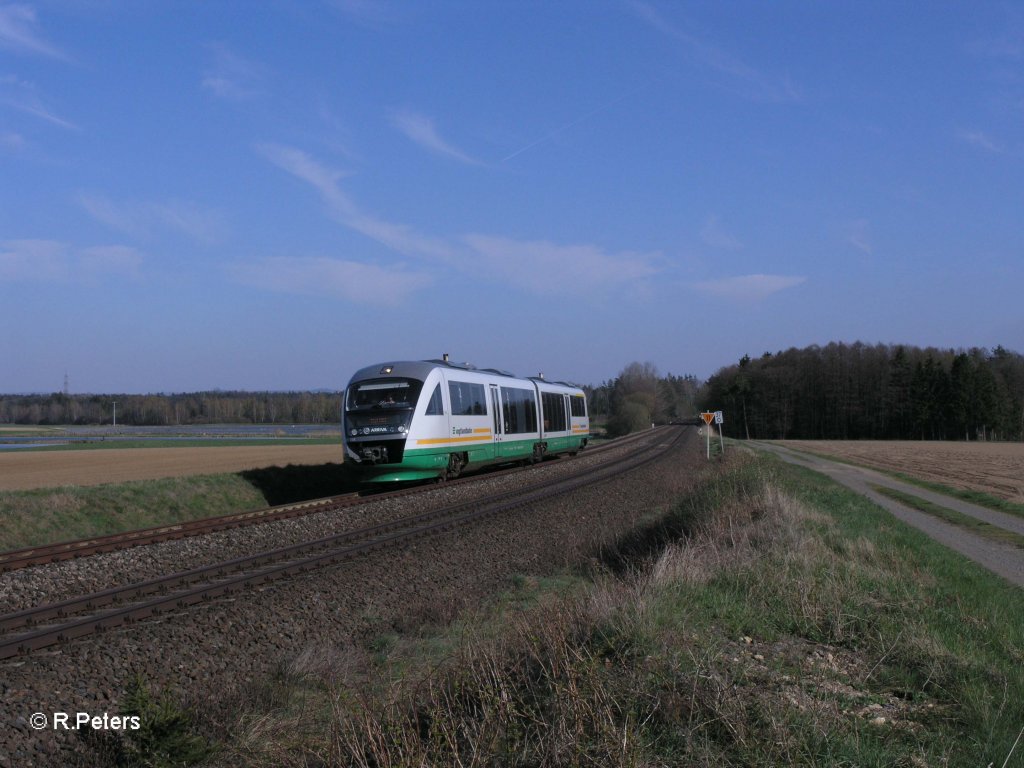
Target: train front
377, 415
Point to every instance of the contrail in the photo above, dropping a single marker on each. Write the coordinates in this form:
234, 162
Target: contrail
565, 127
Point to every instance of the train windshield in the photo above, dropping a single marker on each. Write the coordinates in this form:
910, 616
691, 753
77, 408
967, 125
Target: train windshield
383, 394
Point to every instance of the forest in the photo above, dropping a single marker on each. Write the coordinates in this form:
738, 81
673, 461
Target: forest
878, 392
838, 391
218, 407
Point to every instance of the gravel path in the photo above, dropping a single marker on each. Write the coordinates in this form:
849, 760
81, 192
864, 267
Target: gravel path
215, 654
1003, 559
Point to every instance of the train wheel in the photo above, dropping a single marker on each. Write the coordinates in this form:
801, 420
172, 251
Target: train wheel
454, 466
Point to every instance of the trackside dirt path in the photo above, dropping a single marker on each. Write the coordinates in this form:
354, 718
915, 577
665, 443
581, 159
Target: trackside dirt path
994, 468
1003, 559
24, 470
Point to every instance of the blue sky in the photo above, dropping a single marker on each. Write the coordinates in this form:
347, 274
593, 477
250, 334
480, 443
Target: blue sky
270, 195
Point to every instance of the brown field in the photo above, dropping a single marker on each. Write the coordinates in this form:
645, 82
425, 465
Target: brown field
26, 470
993, 468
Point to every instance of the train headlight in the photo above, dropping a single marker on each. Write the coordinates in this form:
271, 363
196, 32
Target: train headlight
401, 428
353, 431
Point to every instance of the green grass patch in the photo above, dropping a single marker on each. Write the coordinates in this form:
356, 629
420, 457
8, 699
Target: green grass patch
773, 618
980, 498
42, 516
210, 442
959, 519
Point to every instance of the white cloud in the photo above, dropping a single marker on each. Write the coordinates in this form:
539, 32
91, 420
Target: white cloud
982, 140
749, 81
231, 76
142, 219
50, 261
715, 235
420, 129
336, 278
12, 141
24, 96
859, 236
118, 259
399, 237
531, 264
19, 32
748, 287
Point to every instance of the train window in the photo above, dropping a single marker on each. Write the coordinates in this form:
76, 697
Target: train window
467, 399
383, 394
519, 409
435, 407
553, 407
578, 405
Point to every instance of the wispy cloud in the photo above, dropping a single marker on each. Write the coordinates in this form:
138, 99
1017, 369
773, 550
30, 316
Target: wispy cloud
19, 32
374, 14
715, 235
336, 278
749, 80
859, 236
562, 128
24, 96
526, 264
231, 76
982, 140
530, 264
748, 287
400, 237
50, 260
145, 219
12, 141
420, 129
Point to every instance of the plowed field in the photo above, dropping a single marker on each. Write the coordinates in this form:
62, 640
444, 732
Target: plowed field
22, 470
994, 468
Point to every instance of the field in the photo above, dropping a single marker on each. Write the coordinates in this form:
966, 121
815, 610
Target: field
996, 469
26, 470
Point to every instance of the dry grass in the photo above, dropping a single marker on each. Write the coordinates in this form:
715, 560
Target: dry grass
774, 633
26, 470
993, 468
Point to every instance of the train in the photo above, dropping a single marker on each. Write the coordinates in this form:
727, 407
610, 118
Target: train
435, 419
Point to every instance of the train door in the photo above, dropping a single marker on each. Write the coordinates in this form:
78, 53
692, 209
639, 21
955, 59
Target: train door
498, 421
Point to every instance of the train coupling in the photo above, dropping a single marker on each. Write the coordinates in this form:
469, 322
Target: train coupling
374, 454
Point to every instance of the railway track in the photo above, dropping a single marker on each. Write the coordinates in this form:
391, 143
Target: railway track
52, 624
67, 550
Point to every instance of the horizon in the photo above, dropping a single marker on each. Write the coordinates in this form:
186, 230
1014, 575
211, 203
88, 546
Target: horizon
200, 198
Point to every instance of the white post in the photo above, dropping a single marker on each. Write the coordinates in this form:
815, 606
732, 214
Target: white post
115, 413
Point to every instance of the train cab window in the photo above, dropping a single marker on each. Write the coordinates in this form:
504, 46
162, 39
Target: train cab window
435, 407
467, 399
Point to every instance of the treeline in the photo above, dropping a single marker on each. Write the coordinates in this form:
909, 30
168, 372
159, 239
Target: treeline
639, 396
174, 409
859, 391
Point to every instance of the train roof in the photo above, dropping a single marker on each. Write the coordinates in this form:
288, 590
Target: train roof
420, 369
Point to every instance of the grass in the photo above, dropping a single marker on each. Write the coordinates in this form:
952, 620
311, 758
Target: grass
772, 618
100, 443
980, 498
959, 519
46, 515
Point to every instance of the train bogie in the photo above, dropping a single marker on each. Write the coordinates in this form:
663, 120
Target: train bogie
421, 420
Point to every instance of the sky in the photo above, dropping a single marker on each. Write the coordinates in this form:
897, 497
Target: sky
270, 195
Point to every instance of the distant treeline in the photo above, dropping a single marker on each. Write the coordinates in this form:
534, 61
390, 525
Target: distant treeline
640, 396
170, 410
858, 391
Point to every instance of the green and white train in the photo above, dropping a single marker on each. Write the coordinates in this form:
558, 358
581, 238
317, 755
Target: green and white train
418, 420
